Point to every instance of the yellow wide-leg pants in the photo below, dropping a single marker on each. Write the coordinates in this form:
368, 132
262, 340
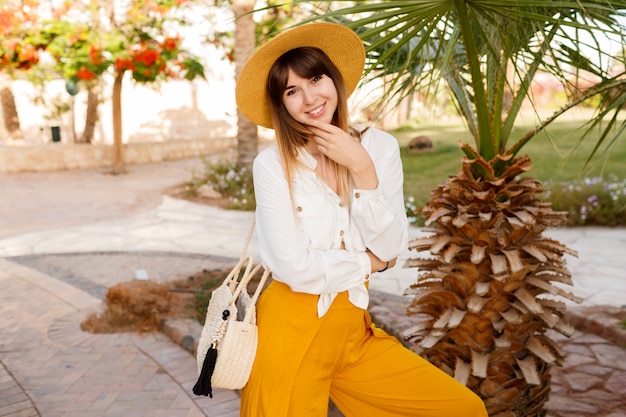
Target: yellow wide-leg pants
302, 360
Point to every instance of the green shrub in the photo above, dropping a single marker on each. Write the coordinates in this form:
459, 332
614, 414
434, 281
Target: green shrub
232, 180
412, 207
590, 201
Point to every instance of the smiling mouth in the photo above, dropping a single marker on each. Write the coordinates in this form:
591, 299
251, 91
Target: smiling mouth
317, 111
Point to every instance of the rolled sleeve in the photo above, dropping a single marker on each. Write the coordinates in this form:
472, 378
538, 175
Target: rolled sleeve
379, 214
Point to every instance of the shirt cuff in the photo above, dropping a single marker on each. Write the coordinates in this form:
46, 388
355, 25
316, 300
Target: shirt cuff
365, 195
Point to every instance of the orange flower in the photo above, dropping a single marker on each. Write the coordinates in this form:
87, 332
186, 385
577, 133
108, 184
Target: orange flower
27, 56
7, 20
84, 74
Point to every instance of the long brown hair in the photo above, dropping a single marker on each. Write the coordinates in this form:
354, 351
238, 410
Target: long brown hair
306, 62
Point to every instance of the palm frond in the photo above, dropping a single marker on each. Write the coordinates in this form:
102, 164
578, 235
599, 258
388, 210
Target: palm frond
485, 51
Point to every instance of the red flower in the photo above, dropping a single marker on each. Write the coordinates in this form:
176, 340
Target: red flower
169, 44
84, 74
122, 64
147, 57
95, 53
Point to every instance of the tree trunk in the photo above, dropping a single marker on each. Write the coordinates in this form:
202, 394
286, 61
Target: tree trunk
247, 135
92, 114
9, 112
118, 150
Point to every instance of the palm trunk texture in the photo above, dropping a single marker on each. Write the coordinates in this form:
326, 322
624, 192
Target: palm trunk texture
485, 295
247, 134
9, 112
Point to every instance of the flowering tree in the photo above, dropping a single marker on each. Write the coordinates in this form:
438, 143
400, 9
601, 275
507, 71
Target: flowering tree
139, 38
88, 40
15, 55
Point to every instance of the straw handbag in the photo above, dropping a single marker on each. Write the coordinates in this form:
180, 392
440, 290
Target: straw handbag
229, 338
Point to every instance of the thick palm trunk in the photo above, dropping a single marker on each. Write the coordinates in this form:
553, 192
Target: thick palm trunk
118, 147
92, 114
247, 134
9, 112
485, 291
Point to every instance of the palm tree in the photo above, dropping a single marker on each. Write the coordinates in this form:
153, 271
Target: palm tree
489, 292
9, 110
245, 30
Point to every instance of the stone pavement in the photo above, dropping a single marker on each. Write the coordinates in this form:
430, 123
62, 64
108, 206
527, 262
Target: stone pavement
67, 236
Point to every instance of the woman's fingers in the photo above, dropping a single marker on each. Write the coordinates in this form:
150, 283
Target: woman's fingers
335, 143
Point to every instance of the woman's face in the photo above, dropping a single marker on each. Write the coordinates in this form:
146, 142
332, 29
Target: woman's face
312, 98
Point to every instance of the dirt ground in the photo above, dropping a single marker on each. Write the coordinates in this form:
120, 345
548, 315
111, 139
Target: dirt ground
139, 306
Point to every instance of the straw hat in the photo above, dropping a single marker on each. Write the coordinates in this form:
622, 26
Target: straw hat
341, 45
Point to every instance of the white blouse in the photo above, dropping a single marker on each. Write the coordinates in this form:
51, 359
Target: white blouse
302, 248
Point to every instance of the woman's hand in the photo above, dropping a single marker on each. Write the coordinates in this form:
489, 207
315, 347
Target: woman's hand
344, 149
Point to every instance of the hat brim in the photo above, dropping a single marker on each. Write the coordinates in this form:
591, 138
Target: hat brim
342, 45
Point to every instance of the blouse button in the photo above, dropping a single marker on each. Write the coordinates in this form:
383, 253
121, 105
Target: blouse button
341, 233
357, 195
298, 208
341, 204
367, 276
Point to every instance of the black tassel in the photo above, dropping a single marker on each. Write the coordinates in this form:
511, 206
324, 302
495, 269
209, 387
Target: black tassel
203, 385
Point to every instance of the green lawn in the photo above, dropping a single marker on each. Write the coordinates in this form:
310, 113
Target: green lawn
553, 154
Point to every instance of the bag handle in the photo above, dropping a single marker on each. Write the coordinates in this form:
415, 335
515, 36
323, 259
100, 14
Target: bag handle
248, 274
233, 277
243, 281
255, 297
247, 242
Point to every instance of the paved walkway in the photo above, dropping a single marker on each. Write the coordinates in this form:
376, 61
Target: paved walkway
67, 236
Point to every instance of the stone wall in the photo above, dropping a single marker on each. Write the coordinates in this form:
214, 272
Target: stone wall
63, 156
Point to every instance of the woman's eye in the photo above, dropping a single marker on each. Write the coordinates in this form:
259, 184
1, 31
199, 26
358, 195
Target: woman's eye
290, 92
317, 78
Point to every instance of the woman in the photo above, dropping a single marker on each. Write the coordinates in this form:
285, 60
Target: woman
330, 214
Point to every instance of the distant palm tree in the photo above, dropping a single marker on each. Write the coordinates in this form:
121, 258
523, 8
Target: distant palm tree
9, 109
245, 31
489, 292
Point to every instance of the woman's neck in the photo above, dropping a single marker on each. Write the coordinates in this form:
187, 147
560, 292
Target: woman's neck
312, 148
325, 169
